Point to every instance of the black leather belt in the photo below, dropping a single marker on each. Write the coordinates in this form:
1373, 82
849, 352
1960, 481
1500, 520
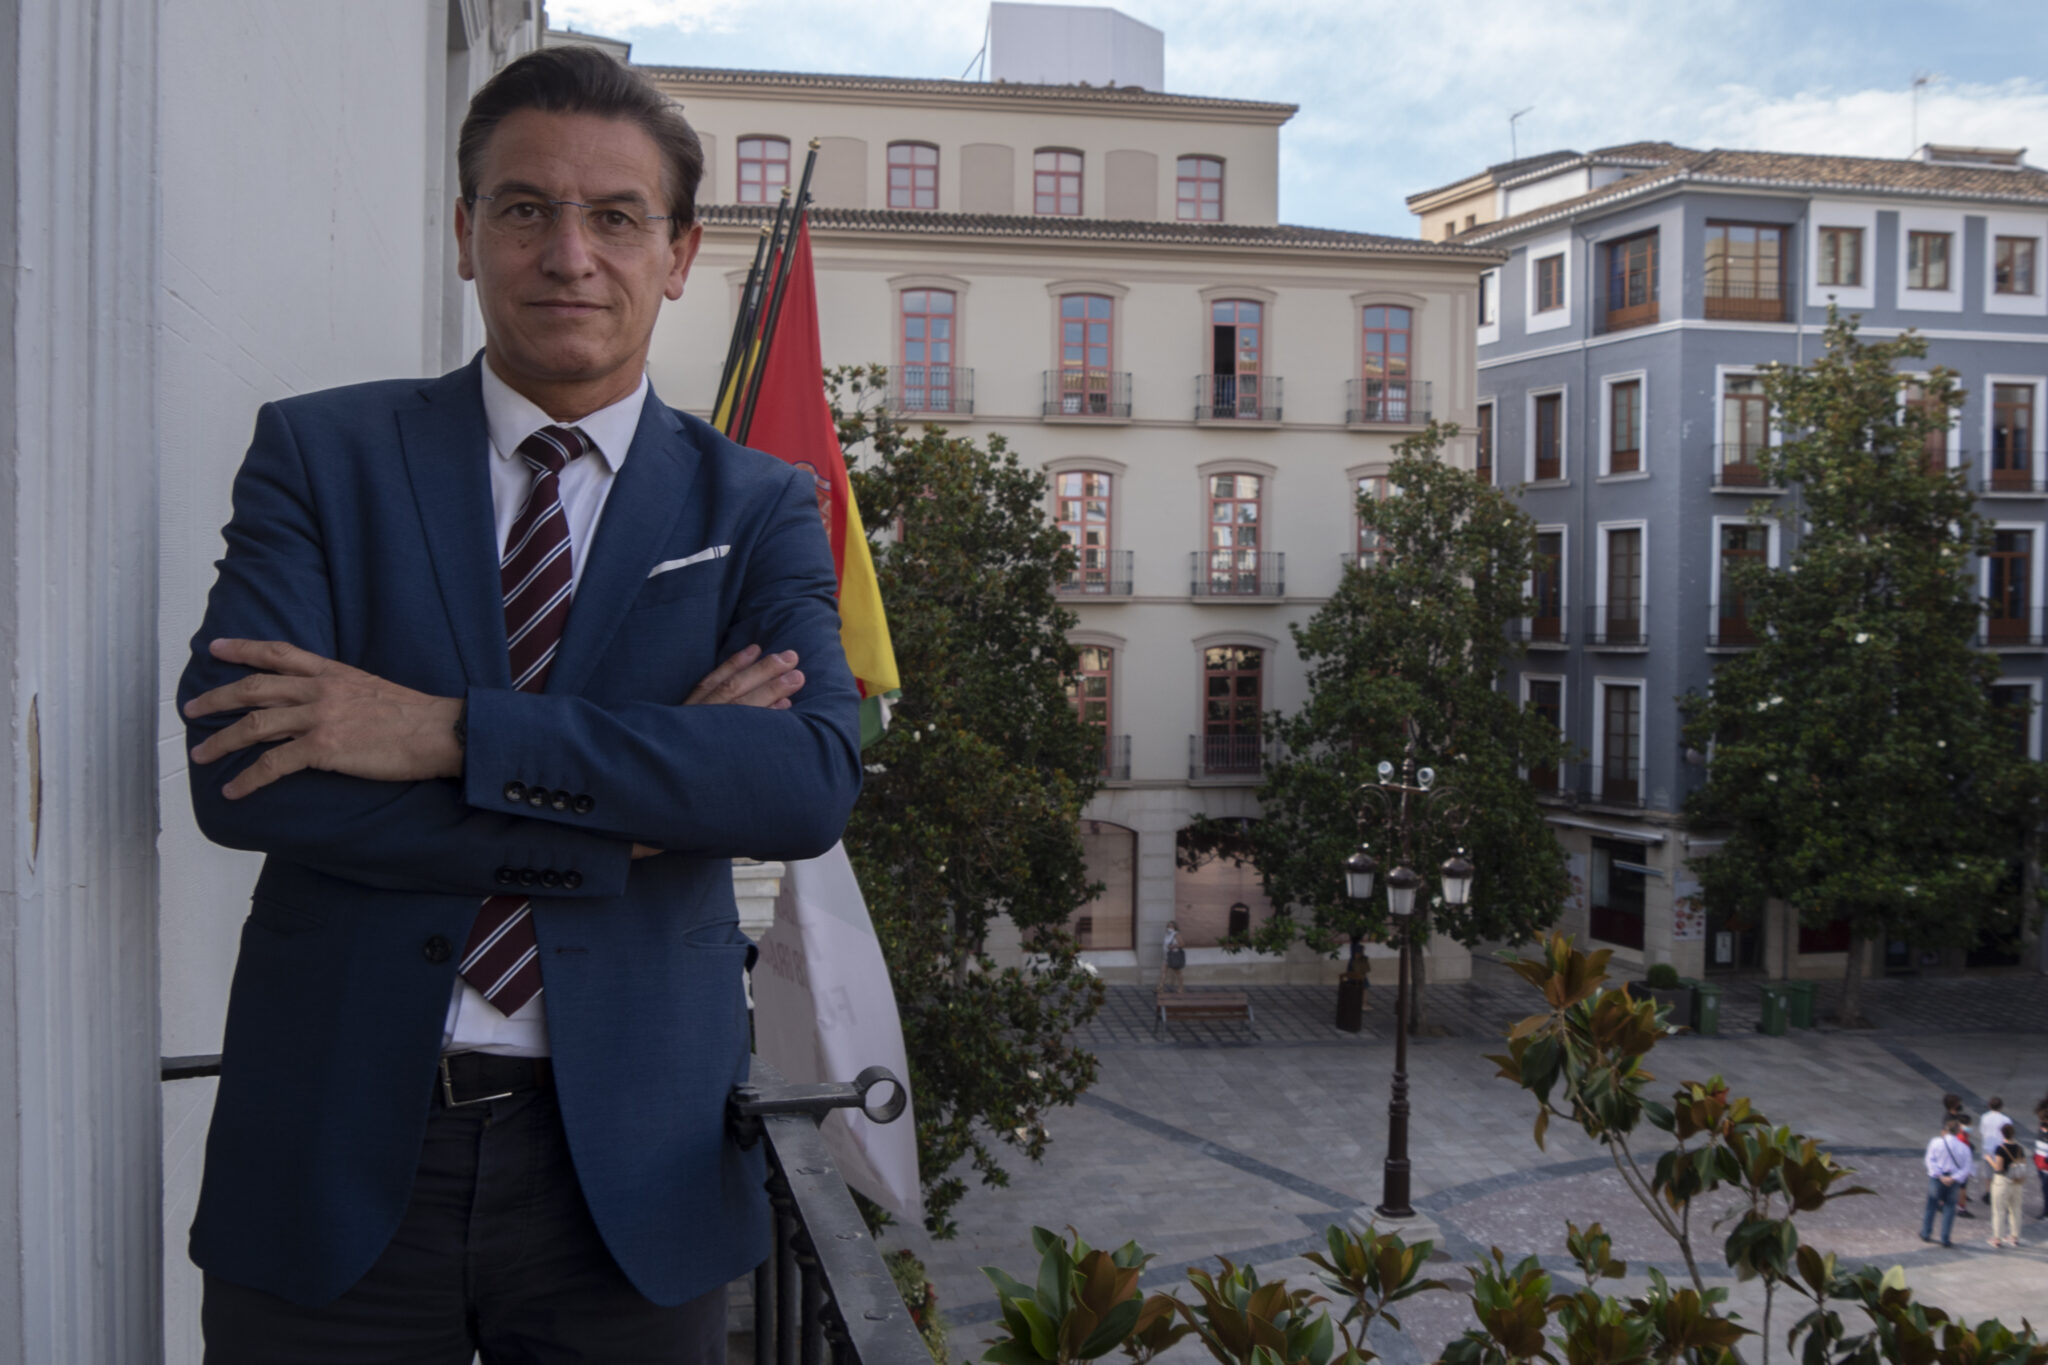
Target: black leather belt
474, 1077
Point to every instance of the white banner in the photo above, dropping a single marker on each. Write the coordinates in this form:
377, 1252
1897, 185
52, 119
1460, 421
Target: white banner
823, 1011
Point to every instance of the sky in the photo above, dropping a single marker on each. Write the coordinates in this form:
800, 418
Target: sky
1401, 97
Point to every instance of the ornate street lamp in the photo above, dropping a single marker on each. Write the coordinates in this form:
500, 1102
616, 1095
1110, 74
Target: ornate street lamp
1405, 807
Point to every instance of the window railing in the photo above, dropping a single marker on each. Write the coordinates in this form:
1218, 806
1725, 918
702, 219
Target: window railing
1726, 630
931, 388
1630, 315
2022, 629
1998, 471
1234, 755
1540, 630
1386, 402
1602, 784
1746, 300
1087, 393
1237, 573
1616, 625
1740, 466
824, 1293
1110, 578
1116, 758
1237, 398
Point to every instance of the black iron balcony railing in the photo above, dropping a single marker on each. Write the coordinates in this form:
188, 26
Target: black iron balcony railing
2014, 629
1616, 625
1739, 467
1232, 755
1386, 402
1087, 393
1237, 398
2006, 471
1105, 573
1237, 573
1605, 784
824, 1293
1116, 758
1745, 300
1730, 629
1541, 630
1369, 560
931, 388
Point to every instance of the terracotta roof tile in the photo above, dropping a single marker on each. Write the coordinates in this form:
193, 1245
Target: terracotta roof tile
1099, 94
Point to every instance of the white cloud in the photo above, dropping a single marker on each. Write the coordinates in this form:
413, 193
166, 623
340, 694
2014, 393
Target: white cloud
1879, 122
613, 17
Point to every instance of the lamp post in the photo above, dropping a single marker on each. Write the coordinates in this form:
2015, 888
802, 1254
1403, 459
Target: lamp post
1405, 807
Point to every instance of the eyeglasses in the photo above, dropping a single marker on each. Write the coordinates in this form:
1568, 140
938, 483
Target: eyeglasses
525, 219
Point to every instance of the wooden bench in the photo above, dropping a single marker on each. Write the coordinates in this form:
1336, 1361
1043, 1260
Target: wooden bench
1230, 1005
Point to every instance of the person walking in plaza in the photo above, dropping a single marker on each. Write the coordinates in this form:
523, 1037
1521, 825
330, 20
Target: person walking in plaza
1948, 1166
2008, 1176
1176, 958
1952, 1108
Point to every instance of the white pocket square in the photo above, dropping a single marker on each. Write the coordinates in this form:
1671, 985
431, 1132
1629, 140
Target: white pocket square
715, 552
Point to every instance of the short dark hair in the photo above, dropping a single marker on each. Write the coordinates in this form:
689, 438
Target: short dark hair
1997, 1101
1951, 1102
582, 80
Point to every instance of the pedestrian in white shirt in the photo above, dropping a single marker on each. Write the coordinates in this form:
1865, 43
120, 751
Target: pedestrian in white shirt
1991, 1128
1949, 1161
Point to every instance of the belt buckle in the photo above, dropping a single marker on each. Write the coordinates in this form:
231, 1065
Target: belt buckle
448, 1091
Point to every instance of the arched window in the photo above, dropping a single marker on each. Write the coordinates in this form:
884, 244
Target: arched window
764, 169
913, 175
1087, 348
1199, 190
1083, 497
1217, 892
927, 376
1237, 338
1092, 690
1233, 693
1111, 919
1388, 329
1234, 540
1371, 487
1056, 182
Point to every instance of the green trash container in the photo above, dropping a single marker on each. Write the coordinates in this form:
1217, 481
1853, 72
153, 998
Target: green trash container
1776, 1007
1706, 1007
1800, 997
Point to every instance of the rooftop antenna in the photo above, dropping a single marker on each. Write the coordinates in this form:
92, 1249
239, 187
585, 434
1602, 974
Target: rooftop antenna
1514, 146
982, 56
1920, 78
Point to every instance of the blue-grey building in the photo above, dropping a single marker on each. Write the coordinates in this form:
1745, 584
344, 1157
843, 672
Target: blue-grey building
1618, 352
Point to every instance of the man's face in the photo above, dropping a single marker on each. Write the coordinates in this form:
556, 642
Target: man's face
568, 314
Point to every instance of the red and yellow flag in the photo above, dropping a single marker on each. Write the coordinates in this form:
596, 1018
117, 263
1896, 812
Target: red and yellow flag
793, 422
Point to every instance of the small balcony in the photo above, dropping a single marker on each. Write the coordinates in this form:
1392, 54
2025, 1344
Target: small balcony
918, 389
1596, 784
1237, 398
2000, 473
1103, 573
1237, 573
2013, 631
1087, 393
1739, 468
1116, 758
1386, 402
1541, 632
1631, 316
1731, 629
1226, 756
1617, 626
1746, 301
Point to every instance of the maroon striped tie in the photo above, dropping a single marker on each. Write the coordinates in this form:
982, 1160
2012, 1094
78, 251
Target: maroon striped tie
502, 957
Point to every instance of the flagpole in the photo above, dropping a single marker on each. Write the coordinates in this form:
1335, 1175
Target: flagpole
737, 346
745, 416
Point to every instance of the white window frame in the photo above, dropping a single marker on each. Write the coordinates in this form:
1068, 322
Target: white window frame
2034, 574
1841, 213
1772, 542
1558, 243
1998, 225
1600, 599
2039, 384
1641, 378
1564, 578
1601, 686
1951, 444
1564, 441
1773, 437
2033, 686
1489, 286
1949, 300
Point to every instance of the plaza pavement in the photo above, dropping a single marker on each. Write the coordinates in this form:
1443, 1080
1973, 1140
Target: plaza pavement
1218, 1139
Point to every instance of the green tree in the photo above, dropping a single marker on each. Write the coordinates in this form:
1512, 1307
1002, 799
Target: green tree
973, 799
1855, 758
1419, 637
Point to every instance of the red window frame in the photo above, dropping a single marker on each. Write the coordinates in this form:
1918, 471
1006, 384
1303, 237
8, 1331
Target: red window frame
1233, 693
1370, 549
1550, 283
1924, 264
1198, 189
1087, 352
1482, 462
2013, 265
763, 169
1548, 416
1237, 333
1625, 427
1386, 351
913, 175
1084, 500
1234, 514
1092, 689
926, 322
1056, 182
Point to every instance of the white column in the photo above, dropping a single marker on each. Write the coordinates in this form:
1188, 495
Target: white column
78, 1022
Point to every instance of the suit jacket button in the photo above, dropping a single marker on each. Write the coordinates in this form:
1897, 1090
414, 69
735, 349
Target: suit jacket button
515, 791
550, 877
560, 800
536, 797
583, 804
572, 879
528, 877
505, 876
435, 949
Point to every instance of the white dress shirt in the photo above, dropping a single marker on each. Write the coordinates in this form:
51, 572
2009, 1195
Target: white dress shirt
1991, 1131
474, 1024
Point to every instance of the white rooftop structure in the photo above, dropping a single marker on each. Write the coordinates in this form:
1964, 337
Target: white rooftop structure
1074, 45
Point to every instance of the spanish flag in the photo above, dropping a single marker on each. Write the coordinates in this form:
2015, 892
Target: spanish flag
793, 422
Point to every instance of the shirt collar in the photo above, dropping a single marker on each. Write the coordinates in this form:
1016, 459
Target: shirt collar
511, 417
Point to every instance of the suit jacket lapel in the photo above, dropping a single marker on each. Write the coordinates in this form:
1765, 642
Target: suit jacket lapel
644, 502
447, 450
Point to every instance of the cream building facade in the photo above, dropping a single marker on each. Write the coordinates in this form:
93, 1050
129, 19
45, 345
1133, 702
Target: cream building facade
1100, 275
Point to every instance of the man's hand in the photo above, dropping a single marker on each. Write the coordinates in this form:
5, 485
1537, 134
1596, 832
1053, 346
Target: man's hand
749, 678
330, 716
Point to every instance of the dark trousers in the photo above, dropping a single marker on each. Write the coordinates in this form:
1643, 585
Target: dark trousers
497, 1257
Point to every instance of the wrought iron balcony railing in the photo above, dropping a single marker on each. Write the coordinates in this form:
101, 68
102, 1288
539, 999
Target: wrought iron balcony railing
1730, 629
1605, 784
1386, 402
1616, 625
1237, 573
2007, 471
1738, 467
1116, 758
931, 388
1233, 755
2021, 629
1746, 300
1237, 397
1087, 393
1103, 573
1541, 630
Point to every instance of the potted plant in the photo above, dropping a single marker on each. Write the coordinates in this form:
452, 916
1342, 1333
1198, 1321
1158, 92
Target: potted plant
1663, 985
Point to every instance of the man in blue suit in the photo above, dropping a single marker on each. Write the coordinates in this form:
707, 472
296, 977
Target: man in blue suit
489, 1000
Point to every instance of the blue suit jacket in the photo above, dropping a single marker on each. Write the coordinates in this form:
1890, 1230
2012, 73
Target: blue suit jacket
363, 531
